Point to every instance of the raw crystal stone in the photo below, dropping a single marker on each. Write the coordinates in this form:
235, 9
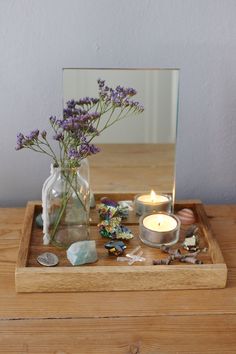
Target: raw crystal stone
123, 210
191, 243
115, 247
82, 252
124, 233
109, 202
113, 229
108, 209
108, 228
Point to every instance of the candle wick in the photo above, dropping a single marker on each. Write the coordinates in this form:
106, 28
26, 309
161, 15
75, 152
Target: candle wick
159, 224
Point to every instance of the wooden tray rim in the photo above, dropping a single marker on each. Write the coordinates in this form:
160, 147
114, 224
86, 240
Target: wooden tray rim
25, 275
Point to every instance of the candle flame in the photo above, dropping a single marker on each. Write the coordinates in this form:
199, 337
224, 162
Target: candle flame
159, 220
153, 196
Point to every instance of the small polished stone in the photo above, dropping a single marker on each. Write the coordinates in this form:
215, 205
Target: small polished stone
48, 259
39, 220
186, 216
82, 252
115, 248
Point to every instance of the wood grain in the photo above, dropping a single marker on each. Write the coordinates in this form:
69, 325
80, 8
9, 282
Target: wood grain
146, 335
116, 304
188, 302
133, 168
26, 231
150, 322
108, 275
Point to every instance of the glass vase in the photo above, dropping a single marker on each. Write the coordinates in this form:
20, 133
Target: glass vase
66, 204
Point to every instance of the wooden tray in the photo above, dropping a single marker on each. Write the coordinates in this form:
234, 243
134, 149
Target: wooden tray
109, 275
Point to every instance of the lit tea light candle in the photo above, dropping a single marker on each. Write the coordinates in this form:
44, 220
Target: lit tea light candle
159, 229
148, 203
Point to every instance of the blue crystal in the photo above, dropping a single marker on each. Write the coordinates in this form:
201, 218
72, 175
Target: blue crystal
82, 252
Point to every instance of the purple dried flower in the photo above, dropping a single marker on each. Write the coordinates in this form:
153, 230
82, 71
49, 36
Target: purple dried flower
18, 147
33, 135
84, 101
131, 92
73, 154
81, 123
26, 141
59, 136
88, 149
83, 118
94, 149
71, 104
95, 115
91, 129
52, 119
95, 100
141, 108
43, 134
20, 141
69, 124
101, 83
118, 96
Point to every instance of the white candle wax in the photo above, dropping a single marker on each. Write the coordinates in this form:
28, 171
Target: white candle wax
147, 198
160, 222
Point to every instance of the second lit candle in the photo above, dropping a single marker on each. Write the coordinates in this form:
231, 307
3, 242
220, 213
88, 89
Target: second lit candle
148, 203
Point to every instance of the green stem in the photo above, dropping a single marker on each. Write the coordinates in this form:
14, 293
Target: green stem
62, 210
65, 200
74, 189
49, 146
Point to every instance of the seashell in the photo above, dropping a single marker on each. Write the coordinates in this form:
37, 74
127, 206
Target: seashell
186, 216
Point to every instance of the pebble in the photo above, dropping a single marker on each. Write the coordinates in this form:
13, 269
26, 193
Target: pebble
48, 259
186, 216
39, 220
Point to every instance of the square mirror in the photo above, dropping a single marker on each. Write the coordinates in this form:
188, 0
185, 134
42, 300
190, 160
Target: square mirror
137, 154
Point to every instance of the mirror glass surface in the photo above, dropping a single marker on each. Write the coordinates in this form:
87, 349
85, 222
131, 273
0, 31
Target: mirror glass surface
138, 153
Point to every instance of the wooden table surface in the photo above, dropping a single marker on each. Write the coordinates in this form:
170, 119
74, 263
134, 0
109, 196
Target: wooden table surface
133, 168
152, 322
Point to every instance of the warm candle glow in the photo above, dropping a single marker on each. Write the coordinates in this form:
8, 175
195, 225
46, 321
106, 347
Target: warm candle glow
152, 198
160, 222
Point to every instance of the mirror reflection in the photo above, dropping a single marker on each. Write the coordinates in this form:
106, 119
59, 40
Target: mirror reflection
138, 152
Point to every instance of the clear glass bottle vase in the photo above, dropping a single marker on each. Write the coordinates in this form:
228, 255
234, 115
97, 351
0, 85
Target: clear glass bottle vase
66, 205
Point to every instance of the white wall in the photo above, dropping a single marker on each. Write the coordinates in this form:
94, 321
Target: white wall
39, 37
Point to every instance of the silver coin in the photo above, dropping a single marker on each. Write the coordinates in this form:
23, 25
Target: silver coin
48, 259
